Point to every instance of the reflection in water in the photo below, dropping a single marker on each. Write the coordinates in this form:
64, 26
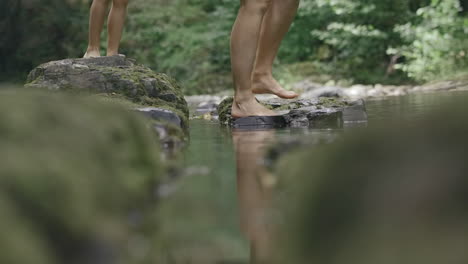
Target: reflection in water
199, 222
255, 185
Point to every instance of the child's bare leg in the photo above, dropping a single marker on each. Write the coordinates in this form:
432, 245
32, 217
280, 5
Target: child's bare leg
96, 22
275, 25
244, 42
115, 26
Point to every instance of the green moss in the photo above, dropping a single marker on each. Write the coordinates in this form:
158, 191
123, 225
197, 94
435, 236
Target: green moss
73, 170
135, 83
163, 84
146, 101
332, 102
224, 111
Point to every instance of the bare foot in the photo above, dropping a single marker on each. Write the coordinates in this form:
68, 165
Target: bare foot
249, 107
266, 84
112, 53
92, 53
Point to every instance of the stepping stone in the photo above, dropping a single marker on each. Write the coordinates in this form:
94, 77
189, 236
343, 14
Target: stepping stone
259, 122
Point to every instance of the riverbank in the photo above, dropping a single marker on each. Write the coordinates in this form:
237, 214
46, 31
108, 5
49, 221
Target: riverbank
204, 106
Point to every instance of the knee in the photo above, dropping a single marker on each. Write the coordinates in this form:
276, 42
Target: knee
257, 6
120, 3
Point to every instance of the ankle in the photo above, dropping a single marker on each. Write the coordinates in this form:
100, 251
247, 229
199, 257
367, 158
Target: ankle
261, 75
112, 53
242, 98
92, 49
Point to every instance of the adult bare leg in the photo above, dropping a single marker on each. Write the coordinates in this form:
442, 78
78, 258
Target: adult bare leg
115, 25
275, 25
96, 22
244, 42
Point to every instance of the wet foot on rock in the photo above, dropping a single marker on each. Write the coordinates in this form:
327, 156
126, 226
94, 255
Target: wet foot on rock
266, 84
250, 107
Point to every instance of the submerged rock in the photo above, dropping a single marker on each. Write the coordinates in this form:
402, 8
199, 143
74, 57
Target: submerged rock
313, 113
117, 78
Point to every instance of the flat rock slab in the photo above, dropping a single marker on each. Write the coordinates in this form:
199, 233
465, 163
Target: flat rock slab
311, 113
259, 122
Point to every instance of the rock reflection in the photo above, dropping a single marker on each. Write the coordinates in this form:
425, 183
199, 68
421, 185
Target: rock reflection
255, 190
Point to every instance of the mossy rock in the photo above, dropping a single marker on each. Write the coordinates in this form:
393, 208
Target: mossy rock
170, 124
77, 178
114, 76
224, 111
386, 193
314, 113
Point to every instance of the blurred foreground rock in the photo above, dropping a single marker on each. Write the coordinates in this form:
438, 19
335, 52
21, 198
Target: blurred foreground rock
77, 177
390, 194
119, 79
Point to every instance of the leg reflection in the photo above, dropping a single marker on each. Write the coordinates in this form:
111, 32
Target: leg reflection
255, 185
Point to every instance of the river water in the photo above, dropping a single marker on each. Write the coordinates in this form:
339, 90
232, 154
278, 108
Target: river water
215, 213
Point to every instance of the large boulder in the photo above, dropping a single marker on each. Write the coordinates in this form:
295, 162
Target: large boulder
115, 77
77, 181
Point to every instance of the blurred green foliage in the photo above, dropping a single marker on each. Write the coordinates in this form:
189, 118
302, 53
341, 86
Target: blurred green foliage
34, 32
76, 181
362, 41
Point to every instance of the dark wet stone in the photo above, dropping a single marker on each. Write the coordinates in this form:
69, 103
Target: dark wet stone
331, 119
168, 126
311, 113
355, 112
160, 114
257, 122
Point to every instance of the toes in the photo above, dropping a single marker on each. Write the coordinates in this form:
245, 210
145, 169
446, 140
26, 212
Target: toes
287, 94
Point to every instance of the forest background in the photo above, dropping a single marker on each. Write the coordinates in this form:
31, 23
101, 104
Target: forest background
344, 41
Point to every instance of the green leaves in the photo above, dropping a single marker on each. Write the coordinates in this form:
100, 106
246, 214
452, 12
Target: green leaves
436, 46
356, 40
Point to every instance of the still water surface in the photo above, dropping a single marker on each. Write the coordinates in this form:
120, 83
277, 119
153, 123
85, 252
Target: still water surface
218, 212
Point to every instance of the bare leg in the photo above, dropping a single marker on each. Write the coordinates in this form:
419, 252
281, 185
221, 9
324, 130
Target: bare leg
96, 22
275, 25
244, 42
115, 25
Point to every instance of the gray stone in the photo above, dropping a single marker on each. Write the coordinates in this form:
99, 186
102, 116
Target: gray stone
115, 75
160, 114
355, 112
